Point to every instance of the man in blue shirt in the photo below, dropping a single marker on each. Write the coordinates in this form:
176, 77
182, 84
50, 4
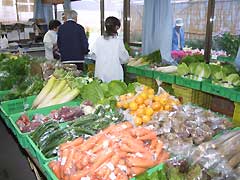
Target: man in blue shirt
178, 35
72, 41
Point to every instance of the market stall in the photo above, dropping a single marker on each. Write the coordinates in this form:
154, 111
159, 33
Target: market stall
78, 127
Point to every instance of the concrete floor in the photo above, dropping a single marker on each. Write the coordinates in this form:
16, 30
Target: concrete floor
13, 162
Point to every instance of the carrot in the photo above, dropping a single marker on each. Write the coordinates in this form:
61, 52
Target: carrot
140, 131
153, 144
69, 163
56, 169
163, 157
137, 170
79, 175
91, 142
148, 136
127, 149
158, 149
101, 159
134, 144
73, 143
140, 162
64, 156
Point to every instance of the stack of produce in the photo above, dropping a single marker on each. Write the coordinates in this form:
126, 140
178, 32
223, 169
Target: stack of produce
119, 152
154, 57
62, 115
216, 159
51, 134
196, 71
144, 104
187, 126
225, 75
15, 76
163, 66
104, 93
61, 87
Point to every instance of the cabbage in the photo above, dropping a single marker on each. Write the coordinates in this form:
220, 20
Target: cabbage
203, 70
228, 69
218, 75
193, 67
183, 69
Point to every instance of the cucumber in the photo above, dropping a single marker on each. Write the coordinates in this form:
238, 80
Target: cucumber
44, 129
55, 144
84, 120
81, 131
58, 134
46, 135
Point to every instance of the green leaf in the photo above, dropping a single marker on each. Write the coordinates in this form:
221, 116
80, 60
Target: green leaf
117, 88
92, 92
183, 69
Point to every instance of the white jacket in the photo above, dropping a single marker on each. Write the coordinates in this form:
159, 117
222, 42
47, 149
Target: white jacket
110, 54
50, 39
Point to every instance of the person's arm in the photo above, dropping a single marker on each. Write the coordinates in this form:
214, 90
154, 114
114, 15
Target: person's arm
123, 54
59, 42
182, 39
84, 41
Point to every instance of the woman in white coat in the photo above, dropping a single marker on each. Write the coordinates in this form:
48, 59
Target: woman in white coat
110, 52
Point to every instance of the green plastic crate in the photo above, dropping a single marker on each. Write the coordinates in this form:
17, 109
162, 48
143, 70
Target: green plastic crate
22, 137
51, 176
146, 71
3, 93
131, 69
49, 173
188, 83
165, 77
17, 105
208, 87
225, 59
234, 94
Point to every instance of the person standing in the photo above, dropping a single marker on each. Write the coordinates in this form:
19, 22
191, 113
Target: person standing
178, 35
110, 52
50, 39
72, 41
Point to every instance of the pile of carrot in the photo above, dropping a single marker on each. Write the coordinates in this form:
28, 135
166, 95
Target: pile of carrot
119, 152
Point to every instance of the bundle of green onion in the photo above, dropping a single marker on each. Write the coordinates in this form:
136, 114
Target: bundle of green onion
62, 87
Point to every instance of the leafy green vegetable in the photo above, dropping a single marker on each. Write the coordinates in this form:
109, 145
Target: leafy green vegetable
183, 69
193, 59
154, 57
117, 88
92, 92
228, 69
14, 71
202, 70
193, 67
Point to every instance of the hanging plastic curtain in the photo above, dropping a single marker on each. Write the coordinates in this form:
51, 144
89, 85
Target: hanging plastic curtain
67, 5
43, 11
157, 27
237, 60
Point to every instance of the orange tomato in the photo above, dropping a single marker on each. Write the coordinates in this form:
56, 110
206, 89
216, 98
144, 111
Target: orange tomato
140, 112
149, 111
119, 104
133, 106
151, 91
138, 121
123, 97
144, 95
150, 96
156, 106
142, 106
147, 102
156, 98
146, 118
125, 105
139, 100
168, 108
